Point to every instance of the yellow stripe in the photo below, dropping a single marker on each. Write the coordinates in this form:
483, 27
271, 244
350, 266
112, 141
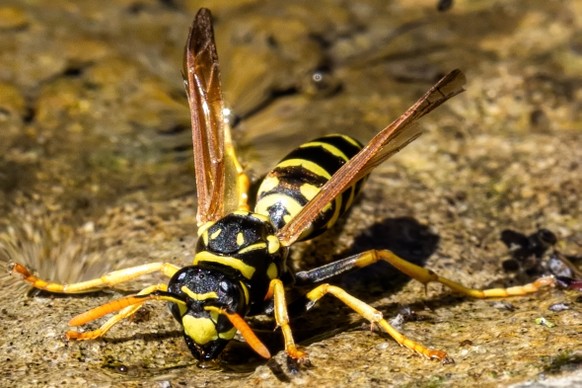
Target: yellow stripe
261, 217
308, 191
202, 229
350, 140
216, 234
246, 292
195, 296
328, 147
253, 247
351, 197
336, 213
268, 184
313, 167
246, 270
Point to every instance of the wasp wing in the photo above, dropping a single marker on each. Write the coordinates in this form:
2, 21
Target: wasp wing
215, 162
385, 144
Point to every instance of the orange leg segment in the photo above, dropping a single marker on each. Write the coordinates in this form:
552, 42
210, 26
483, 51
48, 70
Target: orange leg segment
128, 306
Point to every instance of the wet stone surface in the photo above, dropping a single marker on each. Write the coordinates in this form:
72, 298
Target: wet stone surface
96, 174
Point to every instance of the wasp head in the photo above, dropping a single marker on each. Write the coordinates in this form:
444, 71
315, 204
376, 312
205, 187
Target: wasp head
204, 291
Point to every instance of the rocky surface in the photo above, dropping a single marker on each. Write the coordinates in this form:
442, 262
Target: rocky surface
96, 174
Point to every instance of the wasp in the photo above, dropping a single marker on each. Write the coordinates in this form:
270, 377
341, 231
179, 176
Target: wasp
239, 267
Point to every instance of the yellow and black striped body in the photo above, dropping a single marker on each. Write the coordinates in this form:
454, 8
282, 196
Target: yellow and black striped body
300, 176
239, 255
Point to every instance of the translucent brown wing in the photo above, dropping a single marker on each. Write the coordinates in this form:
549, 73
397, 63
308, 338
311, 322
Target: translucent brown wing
215, 162
386, 143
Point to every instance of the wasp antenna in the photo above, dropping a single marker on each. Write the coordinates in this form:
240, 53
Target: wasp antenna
245, 330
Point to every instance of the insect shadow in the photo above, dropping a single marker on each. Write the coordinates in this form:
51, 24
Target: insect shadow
404, 236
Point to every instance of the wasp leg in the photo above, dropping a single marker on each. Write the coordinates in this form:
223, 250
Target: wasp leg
128, 306
375, 317
277, 291
423, 275
107, 280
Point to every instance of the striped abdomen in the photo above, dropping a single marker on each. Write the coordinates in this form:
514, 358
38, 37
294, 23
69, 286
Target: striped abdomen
300, 176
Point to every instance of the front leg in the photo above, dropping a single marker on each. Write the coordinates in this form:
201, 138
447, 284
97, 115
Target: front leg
277, 292
108, 280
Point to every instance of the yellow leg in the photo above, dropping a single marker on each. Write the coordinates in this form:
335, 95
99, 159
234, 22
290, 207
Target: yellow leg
375, 317
107, 280
421, 274
426, 276
128, 307
277, 290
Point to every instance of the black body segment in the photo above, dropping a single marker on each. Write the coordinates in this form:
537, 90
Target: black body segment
243, 246
299, 176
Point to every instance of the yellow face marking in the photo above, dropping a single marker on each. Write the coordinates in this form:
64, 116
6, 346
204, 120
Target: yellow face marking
195, 296
240, 239
328, 147
201, 330
245, 291
272, 271
312, 167
253, 247
216, 234
246, 270
182, 308
274, 244
227, 335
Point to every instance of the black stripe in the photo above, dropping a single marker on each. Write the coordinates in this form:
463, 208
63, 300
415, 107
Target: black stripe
318, 155
345, 198
341, 143
296, 176
286, 191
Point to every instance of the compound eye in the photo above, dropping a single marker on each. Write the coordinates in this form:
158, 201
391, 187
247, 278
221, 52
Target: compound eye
273, 244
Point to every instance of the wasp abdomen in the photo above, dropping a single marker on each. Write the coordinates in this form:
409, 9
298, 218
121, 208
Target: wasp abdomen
299, 177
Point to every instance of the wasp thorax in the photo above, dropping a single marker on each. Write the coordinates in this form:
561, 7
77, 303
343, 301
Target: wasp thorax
244, 246
239, 232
